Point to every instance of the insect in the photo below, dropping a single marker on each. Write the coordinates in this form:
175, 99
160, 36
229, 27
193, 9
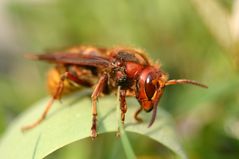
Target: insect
105, 70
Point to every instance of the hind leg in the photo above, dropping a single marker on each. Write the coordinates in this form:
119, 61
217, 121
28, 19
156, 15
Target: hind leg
57, 95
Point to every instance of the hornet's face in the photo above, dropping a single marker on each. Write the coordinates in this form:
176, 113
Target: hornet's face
150, 85
150, 88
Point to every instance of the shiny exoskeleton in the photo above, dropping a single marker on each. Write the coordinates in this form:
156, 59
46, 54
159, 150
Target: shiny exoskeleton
105, 70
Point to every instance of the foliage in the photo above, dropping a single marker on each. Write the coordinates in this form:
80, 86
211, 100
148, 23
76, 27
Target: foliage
71, 121
193, 39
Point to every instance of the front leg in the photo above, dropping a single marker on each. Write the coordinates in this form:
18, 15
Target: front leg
138, 119
123, 106
98, 89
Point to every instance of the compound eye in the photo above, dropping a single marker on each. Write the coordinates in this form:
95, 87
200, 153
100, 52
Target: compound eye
150, 87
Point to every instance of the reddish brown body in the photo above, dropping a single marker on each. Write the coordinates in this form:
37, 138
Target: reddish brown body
105, 70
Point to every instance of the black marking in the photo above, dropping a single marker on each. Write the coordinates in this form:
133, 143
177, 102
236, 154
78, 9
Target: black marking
125, 56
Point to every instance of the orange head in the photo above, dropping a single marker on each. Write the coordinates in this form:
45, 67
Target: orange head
150, 85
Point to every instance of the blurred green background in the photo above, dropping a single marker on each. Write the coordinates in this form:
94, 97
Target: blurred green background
192, 39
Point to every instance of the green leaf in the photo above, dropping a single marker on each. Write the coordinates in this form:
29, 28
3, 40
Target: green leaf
70, 121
